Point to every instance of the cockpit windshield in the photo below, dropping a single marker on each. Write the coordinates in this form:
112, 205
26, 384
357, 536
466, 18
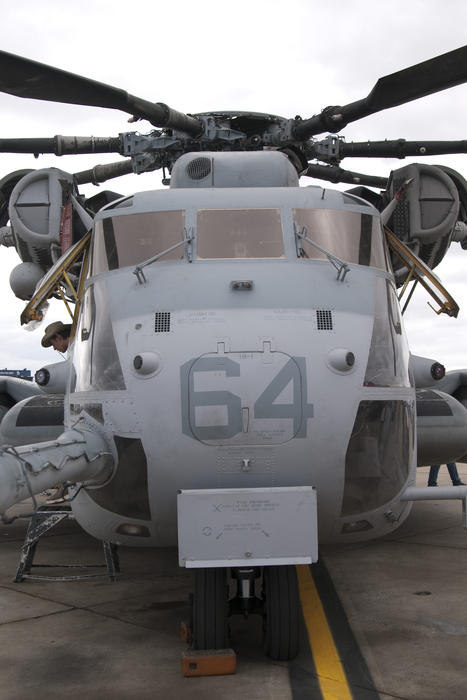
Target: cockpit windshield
239, 233
351, 236
255, 233
120, 241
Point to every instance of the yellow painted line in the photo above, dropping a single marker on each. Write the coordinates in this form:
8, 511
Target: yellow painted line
331, 674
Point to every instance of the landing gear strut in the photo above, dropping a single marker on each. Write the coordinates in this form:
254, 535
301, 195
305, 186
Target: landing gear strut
245, 602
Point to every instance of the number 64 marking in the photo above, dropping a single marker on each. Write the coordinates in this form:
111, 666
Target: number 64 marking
264, 407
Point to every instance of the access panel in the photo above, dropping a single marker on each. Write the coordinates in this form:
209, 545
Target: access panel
246, 398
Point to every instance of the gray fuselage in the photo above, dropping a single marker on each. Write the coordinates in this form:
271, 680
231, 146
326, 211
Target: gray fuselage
240, 359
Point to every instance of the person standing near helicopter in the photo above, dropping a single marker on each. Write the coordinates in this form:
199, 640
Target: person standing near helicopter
453, 473
57, 336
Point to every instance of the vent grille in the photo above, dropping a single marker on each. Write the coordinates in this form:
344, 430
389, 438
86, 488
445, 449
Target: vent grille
199, 168
324, 320
162, 322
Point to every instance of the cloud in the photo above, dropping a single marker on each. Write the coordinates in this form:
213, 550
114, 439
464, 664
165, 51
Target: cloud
287, 59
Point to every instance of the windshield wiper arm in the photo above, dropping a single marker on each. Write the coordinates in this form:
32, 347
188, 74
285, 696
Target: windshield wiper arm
187, 241
341, 266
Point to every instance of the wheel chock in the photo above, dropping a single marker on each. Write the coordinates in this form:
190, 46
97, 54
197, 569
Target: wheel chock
208, 662
185, 632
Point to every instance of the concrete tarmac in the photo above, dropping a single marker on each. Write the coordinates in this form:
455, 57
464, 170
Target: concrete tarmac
404, 597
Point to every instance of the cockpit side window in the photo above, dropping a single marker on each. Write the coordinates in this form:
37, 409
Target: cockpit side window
239, 233
379, 454
351, 236
388, 359
130, 239
95, 356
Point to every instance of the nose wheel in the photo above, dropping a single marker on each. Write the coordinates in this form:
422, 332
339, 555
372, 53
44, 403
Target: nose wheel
210, 609
279, 606
281, 612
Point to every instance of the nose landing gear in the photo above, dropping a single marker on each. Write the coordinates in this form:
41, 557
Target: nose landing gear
279, 605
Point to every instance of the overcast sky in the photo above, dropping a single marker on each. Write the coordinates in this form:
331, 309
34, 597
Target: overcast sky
283, 58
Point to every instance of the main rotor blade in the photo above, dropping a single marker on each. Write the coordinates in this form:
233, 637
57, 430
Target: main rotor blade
423, 79
335, 174
399, 148
62, 145
26, 78
101, 173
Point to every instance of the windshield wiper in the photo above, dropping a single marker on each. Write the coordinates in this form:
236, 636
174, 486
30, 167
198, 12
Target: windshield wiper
300, 235
188, 238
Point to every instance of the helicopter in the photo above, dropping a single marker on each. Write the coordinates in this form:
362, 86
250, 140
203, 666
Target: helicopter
239, 382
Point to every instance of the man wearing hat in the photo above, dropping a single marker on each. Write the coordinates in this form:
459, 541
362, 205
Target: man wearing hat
57, 335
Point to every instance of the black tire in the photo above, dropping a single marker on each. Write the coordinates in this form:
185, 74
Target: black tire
281, 612
210, 609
